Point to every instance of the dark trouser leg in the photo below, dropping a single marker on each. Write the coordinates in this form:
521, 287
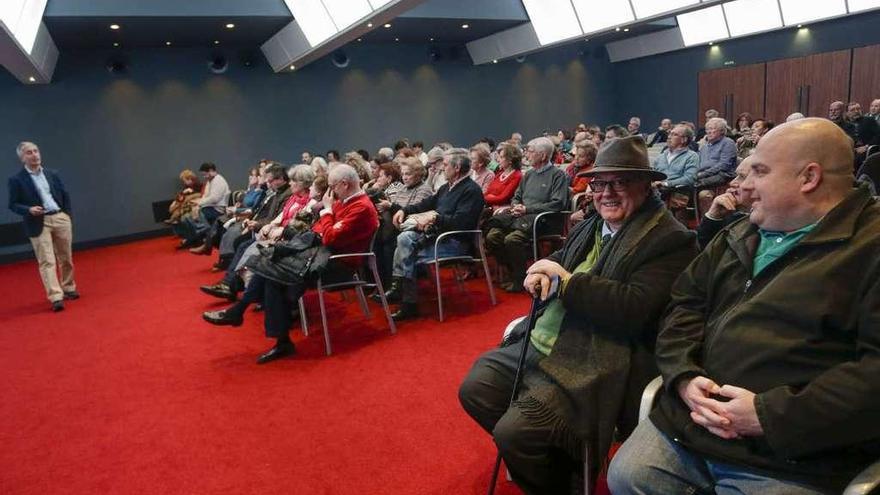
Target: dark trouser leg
526, 445
518, 250
252, 293
495, 243
277, 306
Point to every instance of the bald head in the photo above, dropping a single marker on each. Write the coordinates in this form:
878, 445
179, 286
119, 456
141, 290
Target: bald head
815, 140
800, 170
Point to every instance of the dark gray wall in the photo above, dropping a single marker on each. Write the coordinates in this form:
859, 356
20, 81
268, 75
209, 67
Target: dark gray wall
120, 142
666, 85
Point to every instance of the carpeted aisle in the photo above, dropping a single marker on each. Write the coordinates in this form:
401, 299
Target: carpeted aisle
129, 391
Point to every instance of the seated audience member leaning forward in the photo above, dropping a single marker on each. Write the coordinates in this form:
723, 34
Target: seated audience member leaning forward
590, 353
346, 225
770, 347
456, 206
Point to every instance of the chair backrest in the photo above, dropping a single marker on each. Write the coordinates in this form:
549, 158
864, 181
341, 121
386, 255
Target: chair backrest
869, 173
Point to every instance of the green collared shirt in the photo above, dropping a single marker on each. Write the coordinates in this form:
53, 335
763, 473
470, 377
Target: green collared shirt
547, 327
774, 245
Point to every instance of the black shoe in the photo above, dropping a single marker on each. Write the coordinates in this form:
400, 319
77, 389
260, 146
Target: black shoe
279, 351
407, 311
223, 317
57, 306
186, 244
71, 295
392, 295
220, 290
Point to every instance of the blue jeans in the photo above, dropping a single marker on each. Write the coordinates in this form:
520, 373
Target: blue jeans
412, 249
649, 462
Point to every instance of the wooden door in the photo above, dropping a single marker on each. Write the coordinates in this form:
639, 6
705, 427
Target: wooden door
784, 88
713, 87
747, 94
826, 79
865, 84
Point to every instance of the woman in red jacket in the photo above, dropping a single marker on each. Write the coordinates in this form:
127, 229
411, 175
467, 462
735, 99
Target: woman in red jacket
507, 176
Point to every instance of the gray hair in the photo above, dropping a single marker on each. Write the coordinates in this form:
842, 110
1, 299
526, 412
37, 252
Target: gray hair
435, 154
543, 145
344, 171
688, 132
302, 174
319, 163
794, 116
717, 122
19, 150
638, 120
712, 113
458, 158
386, 153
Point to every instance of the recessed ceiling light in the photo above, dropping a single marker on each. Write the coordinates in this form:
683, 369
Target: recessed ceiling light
116, 44
432, 39
711, 43
360, 39
396, 39
230, 26
386, 26
216, 42
167, 43
800, 25
617, 29
369, 24
626, 30
292, 67
32, 79
495, 61
465, 26
114, 26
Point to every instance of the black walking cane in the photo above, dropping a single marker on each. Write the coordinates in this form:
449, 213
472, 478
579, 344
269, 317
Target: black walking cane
537, 305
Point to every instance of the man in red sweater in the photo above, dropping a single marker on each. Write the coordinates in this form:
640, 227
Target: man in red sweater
346, 224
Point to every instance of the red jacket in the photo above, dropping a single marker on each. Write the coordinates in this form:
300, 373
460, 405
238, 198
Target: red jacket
350, 227
500, 192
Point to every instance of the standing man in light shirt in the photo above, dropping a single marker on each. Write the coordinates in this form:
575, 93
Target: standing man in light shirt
38, 195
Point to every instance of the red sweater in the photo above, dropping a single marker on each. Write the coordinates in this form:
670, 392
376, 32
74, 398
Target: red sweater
350, 227
500, 192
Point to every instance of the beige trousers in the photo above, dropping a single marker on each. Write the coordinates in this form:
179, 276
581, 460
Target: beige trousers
55, 243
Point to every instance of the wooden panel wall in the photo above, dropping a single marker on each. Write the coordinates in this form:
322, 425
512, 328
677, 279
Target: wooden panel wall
865, 84
784, 80
826, 76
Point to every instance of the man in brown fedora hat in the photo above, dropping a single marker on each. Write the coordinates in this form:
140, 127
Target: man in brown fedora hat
590, 353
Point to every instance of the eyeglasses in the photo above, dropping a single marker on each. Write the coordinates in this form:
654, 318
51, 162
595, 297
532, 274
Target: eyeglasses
617, 185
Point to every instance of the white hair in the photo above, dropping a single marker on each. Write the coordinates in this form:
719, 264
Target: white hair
19, 150
302, 174
717, 122
344, 171
794, 116
319, 163
543, 145
386, 152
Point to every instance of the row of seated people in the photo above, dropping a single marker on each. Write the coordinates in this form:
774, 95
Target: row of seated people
767, 339
794, 417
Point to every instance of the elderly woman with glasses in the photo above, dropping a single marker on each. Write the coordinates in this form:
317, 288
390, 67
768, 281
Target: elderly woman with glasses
590, 353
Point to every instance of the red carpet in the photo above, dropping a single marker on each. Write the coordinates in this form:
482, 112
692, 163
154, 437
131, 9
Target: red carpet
129, 391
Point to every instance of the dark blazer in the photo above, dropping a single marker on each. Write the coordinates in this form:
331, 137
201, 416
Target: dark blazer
23, 194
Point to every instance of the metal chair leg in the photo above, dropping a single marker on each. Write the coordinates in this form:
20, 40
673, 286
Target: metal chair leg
324, 318
303, 319
359, 291
375, 270
489, 281
439, 292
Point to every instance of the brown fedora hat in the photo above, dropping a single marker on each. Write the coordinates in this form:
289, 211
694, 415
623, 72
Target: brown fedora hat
627, 154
